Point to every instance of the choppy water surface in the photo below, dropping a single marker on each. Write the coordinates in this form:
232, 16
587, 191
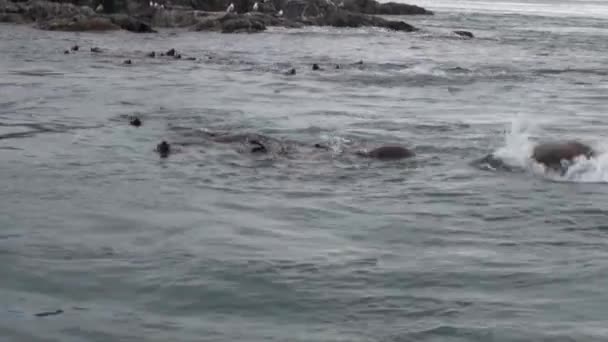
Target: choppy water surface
216, 244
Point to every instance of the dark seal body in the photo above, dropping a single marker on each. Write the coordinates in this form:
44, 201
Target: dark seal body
390, 153
551, 154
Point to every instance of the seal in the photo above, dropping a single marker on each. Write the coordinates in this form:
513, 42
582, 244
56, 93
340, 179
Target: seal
388, 152
551, 154
163, 149
135, 121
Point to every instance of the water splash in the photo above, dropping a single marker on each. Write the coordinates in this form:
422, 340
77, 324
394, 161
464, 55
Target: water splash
518, 148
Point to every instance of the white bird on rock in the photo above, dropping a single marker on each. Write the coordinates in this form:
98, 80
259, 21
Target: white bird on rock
230, 8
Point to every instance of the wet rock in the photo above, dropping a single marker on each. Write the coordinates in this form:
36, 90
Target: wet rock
464, 34
208, 25
95, 50
243, 24
292, 71
348, 19
177, 18
316, 67
127, 62
131, 24
66, 52
75, 48
178, 56
389, 8
77, 24
170, 53
151, 54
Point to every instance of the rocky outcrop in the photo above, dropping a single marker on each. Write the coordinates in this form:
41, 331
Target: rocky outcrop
389, 8
243, 23
78, 24
177, 18
240, 24
296, 13
67, 17
130, 23
349, 19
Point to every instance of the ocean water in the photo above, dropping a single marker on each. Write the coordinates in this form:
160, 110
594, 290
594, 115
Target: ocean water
214, 243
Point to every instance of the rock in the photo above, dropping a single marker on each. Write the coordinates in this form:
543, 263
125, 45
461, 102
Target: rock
464, 34
75, 48
176, 18
316, 67
95, 50
233, 23
348, 19
399, 26
78, 24
13, 18
291, 72
151, 54
389, 8
127, 62
170, 53
208, 25
66, 52
131, 24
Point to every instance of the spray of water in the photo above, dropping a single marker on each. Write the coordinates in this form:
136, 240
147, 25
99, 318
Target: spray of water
517, 152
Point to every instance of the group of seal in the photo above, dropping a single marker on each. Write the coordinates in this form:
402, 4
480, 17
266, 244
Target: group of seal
554, 155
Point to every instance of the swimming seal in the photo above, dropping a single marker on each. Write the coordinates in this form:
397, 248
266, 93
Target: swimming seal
135, 121
551, 154
163, 149
389, 152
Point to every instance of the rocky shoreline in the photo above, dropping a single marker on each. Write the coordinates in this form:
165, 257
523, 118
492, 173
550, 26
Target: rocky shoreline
143, 17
